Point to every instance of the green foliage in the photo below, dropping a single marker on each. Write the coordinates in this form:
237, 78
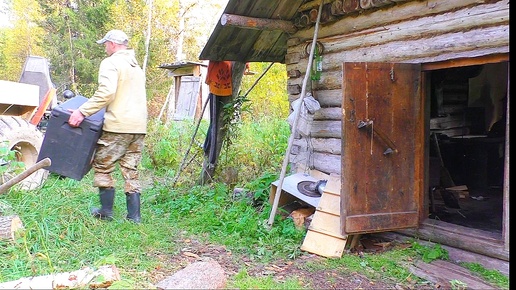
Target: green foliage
167, 145
9, 164
430, 254
458, 285
261, 187
492, 276
390, 266
268, 97
259, 147
242, 280
71, 32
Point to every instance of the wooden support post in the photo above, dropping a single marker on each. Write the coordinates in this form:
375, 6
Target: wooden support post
294, 125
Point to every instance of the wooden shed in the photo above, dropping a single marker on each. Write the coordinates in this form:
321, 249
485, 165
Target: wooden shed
414, 114
188, 93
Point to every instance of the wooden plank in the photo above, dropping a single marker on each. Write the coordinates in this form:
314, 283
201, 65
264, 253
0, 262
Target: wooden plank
187, 98
290, 188
442, 273
326, 223
323, 245
330, 203
333, 185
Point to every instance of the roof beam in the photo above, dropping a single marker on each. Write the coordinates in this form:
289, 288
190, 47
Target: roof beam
257, 23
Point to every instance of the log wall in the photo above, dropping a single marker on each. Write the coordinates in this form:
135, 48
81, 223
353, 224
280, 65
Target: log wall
388, 31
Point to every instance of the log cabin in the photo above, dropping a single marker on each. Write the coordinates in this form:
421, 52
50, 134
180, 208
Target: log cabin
414, 116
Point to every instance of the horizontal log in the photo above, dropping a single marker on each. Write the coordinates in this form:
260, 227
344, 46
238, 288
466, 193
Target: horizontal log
327, 163
328, 114
380, 3
294, 89
326, 129
407, 11
321, 145
459, 237
438, 48
294, 73
370, 45
326, 98
324, 162
257, 23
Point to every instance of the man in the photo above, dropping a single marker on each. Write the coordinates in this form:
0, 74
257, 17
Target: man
121, 91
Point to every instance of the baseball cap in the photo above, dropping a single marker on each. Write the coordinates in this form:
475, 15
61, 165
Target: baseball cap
116, 36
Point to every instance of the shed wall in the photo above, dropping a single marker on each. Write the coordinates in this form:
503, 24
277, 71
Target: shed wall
410, 32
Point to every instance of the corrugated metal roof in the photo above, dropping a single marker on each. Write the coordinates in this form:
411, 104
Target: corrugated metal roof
250, 44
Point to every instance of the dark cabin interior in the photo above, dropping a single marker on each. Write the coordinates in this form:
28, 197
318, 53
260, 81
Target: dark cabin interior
466, 145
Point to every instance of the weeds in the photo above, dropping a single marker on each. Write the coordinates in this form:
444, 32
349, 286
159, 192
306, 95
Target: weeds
60, 235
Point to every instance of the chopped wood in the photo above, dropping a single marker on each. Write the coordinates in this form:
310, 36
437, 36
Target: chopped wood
299, 216
85, 278
9, 225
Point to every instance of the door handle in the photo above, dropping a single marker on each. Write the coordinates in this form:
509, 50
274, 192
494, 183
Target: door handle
367, 125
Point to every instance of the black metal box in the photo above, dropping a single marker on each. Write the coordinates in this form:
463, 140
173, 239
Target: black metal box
71, 149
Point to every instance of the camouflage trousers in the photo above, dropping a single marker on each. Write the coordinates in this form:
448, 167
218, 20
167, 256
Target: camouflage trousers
126, 149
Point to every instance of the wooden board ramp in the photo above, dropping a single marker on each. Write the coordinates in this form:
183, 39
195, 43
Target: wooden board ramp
324, 237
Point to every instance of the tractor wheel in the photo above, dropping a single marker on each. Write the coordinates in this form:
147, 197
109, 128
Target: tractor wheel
25, 139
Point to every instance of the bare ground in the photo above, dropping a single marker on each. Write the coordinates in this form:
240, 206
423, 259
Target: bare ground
280, 270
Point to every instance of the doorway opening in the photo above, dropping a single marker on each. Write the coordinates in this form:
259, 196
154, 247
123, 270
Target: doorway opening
468, 107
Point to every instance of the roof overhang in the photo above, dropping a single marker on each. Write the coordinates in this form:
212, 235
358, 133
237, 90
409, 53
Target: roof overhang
252, 31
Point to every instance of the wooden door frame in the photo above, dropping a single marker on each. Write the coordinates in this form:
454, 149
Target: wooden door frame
478, 241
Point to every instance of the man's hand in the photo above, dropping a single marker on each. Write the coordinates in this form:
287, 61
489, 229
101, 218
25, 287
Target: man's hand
75, 118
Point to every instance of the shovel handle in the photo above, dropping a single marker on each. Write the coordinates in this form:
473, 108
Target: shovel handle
18, 178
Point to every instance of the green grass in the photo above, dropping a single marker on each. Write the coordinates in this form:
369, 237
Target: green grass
60, 235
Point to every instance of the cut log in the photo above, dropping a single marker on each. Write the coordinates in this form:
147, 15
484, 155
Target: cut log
9, 225
86, 278
257, 23
349, 6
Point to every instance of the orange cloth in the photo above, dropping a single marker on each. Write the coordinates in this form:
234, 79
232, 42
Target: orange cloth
219, 78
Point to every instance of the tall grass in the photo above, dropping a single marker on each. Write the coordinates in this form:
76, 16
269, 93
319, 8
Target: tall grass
60, 235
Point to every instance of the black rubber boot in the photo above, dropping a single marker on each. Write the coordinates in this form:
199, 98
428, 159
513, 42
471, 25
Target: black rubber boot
133, 207
107, 196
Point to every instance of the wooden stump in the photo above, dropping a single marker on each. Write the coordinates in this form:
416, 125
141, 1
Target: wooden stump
9, 225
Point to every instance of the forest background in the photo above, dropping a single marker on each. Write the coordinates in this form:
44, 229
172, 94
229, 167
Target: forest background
160, 31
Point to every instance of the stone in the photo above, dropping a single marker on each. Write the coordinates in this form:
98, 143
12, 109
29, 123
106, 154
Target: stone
198, 275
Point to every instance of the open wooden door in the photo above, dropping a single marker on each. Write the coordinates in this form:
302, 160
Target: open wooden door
382, 145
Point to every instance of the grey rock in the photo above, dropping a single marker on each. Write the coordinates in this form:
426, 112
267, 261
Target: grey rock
198, 275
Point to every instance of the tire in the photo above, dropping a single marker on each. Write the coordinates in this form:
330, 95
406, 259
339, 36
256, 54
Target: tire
26, 139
